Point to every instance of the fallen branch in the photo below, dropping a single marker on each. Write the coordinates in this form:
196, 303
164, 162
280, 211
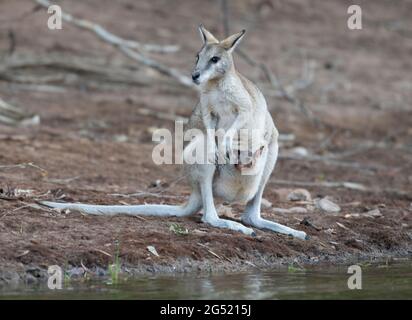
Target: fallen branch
131, 49
58, 66
288, 93
324, 184
347, 185
110, 37
139, 57
160, 115
37, 88
331, 161
12, 115
23, 165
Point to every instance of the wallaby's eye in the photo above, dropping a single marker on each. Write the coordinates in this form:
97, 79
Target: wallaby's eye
197, 58
215, 59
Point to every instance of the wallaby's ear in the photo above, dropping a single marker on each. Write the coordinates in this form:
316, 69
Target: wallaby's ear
207, 36
232, 41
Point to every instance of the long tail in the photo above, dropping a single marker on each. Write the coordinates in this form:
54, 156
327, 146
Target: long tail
192, 206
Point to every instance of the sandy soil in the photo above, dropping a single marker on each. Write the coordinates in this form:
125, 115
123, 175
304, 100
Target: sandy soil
92, 143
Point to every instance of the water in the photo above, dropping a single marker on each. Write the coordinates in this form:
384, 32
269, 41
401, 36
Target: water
378, 282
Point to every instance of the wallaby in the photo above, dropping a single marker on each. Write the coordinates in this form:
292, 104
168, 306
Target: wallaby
230, 102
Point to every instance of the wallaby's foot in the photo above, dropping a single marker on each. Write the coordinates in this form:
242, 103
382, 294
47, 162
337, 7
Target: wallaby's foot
273, 226
229, 224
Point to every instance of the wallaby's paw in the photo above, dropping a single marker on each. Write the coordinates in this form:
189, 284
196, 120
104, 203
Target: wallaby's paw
273, 226
226, 145
301, 235
211, 158
212, 154
248, 231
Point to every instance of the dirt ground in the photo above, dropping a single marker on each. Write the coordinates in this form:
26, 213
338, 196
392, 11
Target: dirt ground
93, 145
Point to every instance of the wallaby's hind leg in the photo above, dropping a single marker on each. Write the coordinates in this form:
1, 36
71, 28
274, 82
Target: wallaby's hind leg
252, 216
210, 215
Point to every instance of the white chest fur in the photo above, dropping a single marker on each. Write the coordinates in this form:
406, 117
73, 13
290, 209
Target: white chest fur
222, 109
226, 102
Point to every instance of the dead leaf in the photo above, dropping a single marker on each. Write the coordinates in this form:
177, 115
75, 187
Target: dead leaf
23, 254
342, 226
153, 250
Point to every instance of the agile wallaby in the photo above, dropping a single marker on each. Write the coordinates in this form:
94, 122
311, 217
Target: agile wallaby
230, 102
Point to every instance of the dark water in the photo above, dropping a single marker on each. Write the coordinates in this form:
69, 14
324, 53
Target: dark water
378, 282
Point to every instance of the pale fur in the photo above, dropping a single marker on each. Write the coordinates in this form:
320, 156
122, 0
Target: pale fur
227, 101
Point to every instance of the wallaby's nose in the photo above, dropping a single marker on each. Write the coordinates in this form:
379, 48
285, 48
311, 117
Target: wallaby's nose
195, 76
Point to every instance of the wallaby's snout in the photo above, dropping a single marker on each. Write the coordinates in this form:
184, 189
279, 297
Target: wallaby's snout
195, 77
214, 59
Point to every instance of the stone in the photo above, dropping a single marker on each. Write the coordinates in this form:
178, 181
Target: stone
299, 195
327, 205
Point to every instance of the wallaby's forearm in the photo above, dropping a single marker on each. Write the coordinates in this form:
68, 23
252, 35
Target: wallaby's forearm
240, 121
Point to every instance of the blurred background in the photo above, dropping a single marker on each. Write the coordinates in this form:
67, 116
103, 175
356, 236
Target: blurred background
79, 105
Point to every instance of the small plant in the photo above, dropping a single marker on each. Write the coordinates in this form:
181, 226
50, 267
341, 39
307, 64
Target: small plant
67, 279
115, 268
178, 229
293, 269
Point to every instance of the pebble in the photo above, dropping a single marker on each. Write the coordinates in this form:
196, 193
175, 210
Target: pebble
120, 138
282, 194
375, 213
327, 205
299, 151
266, 204
299, 195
